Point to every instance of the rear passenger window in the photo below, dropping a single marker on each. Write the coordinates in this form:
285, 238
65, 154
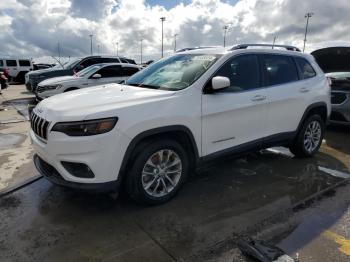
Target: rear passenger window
305, 68
11, 62
128, 71
280, 69
110, 71
243, 72
1, 63
24, 62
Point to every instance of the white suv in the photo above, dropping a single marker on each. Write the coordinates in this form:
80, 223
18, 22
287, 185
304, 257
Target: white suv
16, 68
149, 134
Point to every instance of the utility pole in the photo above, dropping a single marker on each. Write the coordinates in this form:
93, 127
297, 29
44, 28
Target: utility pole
91, 43
141, 49
274, 41
307, 16
98, 49
225, 32
59, 51
117, 43
175, 42
162, 19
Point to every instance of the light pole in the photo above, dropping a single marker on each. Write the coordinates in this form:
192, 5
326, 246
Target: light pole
141, 48
225, 32
307, 16
162, 19
91, 43
59, 51
117, 43
175, 42
98, 49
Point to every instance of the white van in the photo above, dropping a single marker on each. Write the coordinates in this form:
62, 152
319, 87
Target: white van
16, 68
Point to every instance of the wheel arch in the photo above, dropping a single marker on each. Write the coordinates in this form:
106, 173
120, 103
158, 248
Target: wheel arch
319, 108
179, 133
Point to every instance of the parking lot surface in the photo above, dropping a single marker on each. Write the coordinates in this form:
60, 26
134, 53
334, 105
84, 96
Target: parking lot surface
301, 205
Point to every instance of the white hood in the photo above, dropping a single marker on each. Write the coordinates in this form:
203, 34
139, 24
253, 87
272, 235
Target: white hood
59, 80
80, 104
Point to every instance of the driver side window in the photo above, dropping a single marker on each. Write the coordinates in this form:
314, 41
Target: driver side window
243, 72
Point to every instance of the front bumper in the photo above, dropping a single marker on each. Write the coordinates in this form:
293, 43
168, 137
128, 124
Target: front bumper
51, 174
103, 154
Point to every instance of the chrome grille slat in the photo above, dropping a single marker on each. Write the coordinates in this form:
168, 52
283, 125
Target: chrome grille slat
39, 126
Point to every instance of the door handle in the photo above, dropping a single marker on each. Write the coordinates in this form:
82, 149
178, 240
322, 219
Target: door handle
304, 90
258, 98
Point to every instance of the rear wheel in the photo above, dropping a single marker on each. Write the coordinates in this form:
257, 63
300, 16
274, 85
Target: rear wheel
309, 137
157, 172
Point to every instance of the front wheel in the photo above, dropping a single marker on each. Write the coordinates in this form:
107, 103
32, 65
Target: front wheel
157, 172
309, 138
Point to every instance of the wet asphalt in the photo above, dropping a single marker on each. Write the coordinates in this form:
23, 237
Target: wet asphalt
268, 194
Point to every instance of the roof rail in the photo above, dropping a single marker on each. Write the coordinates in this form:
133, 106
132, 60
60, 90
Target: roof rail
287, 47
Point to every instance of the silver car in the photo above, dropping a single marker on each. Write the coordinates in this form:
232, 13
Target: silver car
335, 62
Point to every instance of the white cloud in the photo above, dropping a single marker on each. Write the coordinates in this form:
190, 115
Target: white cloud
34, 27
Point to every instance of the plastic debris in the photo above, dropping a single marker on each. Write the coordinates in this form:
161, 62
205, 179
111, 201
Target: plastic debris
262, 251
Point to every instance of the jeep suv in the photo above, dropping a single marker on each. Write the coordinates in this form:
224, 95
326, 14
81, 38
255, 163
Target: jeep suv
32, 79
15, 69
149, 134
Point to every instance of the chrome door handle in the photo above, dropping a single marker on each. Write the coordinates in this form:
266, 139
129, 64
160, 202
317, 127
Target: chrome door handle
304, 90
258, 98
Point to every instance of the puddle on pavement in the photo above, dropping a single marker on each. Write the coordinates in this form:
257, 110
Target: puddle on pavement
226, 199
11, 140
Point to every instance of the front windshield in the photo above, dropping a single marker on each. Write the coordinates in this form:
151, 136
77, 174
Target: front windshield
174, 73
88, 71
71, 63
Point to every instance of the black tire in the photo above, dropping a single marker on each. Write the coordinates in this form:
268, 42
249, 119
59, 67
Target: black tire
144, 151
298, 147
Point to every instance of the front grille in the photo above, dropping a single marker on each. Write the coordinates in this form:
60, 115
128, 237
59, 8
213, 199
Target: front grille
338, 98
39, 126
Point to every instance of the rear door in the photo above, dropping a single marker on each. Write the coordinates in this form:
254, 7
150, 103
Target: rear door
109, 74
235, 116
286, 94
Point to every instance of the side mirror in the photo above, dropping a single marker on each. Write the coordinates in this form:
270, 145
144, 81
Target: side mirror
220, 82
96, 76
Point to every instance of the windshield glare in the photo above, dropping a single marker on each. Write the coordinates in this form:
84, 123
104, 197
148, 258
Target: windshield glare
174, 73
88, 71
71, 63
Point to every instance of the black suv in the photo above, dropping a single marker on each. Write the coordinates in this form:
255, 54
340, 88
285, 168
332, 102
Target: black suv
32, 79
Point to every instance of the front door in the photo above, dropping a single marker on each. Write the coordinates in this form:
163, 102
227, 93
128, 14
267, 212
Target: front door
235, 116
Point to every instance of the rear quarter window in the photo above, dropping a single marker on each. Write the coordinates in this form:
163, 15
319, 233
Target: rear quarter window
24, 62
11, 62
1, 63
305, 69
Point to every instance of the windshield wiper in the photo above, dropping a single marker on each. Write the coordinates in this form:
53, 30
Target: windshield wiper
143, 85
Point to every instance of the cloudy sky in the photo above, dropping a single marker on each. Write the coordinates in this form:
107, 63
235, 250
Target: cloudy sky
33, 28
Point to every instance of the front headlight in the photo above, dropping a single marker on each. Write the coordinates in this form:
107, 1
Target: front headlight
51, 87
86, 128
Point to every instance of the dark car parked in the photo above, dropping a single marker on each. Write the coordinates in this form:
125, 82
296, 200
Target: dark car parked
335, 62
32, 79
